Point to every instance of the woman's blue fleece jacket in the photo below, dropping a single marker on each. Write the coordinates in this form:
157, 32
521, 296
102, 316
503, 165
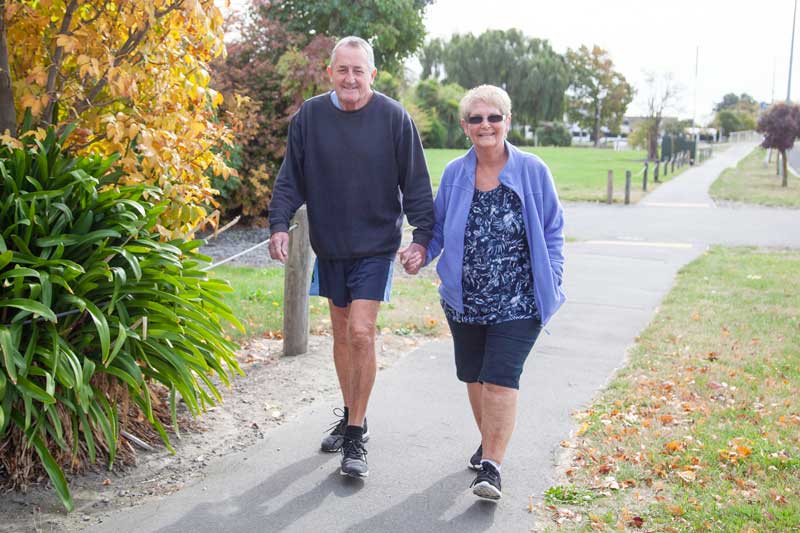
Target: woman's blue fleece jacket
530, 179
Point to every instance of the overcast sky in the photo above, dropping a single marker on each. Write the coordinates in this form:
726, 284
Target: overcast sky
743, 46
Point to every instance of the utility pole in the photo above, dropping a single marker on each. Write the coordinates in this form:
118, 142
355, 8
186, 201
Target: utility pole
791, 57
696, 63
774, 67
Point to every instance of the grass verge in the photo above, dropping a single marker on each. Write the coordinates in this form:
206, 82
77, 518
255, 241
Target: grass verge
580, 172
753, 181
701, 430
257, 301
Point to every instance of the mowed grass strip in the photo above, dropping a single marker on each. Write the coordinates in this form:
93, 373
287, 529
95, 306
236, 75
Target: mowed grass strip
580, 173
257, 301
701, 430
755, 181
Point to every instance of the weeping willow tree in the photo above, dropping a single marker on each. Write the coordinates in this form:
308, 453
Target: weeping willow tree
533, 74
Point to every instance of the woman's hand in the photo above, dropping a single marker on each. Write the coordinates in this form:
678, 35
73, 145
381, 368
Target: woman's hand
412, 257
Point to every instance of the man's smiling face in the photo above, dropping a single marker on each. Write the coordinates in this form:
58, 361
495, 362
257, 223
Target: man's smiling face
352, 77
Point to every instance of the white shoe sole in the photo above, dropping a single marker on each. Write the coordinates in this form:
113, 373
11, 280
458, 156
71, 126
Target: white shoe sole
476, 468
355, 475
487, 490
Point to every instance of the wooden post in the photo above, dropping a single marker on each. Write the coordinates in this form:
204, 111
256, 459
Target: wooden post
777, 163
295, 287
673, 166
644, 177
610, 187
666, 168
627, 187
655, 171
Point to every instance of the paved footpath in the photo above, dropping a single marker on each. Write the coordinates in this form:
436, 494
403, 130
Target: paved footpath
421, 426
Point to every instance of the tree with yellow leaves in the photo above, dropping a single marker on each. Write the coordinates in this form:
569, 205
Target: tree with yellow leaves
133, 76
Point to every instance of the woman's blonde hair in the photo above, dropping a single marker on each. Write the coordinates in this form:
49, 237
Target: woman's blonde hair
488, 94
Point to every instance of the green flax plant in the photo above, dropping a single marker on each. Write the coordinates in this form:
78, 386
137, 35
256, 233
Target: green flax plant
96, 313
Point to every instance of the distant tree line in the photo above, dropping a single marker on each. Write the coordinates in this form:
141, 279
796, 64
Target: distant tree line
543, 84
736, 113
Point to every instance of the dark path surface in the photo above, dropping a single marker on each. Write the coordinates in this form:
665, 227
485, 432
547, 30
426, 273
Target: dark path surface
421, 426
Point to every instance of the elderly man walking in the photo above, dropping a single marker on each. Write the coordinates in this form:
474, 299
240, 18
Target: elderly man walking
354, 157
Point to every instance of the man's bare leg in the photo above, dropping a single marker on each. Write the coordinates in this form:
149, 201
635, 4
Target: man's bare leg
362, 365
341, 348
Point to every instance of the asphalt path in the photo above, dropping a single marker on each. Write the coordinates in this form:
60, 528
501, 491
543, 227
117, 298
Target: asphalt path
621, 263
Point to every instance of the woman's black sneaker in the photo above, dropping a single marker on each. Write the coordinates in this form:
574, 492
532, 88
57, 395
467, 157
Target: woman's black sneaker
333, 441
354, 458
475, 460
487, 483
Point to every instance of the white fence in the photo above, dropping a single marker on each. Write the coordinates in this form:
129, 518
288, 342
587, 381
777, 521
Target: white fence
744, 136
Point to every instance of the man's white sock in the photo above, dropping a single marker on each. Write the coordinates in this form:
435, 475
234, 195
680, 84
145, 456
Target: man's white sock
497, 466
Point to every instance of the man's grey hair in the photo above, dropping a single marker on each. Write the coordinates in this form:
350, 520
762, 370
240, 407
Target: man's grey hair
355, 42
489, 95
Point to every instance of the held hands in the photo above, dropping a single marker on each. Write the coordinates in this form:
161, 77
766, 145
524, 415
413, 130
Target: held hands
412, 257
279, 246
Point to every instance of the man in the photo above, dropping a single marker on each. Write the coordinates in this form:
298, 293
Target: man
355, 159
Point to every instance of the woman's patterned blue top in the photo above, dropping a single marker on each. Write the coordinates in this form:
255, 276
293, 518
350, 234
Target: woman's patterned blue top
497, 278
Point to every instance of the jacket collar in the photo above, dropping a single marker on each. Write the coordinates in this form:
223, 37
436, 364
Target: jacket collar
507, 176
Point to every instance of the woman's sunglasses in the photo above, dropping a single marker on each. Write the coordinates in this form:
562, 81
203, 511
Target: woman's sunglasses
478, 119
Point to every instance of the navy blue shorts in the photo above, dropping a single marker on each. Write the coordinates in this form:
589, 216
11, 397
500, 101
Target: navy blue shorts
493, 353
345, 280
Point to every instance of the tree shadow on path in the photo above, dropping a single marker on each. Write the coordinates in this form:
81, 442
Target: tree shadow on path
256, 510
244, 512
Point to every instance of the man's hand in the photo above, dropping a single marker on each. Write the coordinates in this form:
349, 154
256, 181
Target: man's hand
279, 246
412, 257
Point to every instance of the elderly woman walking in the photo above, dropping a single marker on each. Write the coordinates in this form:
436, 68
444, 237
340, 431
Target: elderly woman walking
499, 229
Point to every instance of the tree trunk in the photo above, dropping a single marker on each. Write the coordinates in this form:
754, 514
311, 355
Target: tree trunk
8, 116
785, 178
652, 141
596, 124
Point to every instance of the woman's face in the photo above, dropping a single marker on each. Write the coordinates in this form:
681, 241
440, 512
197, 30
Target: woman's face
486, 134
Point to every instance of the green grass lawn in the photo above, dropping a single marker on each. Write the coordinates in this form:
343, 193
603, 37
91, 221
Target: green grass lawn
257, 301
754, 182
701, 430
580, 173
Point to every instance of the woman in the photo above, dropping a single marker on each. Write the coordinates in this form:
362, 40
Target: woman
499, 229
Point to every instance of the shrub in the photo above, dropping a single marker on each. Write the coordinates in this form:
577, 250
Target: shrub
516, 138
436, 136
553, 135
95, 312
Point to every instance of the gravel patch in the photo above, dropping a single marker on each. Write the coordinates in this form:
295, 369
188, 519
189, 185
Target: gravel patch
238, 239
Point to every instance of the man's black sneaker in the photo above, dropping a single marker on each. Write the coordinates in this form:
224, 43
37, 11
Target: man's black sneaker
332, 442
475, 460
487, 483
354, 458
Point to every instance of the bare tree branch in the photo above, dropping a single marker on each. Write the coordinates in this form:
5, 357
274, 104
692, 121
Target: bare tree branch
55, 66
98, 11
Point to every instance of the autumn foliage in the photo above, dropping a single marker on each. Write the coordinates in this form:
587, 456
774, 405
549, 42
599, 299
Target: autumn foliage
268, 72
134, 77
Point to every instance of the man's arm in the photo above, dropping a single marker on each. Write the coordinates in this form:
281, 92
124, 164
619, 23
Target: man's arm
287, 194
415, 182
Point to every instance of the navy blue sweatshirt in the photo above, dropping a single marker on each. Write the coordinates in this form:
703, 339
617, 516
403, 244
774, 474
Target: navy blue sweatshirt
357, 172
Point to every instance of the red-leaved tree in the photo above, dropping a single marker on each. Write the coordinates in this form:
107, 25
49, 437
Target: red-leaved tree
780, 126
266, 75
